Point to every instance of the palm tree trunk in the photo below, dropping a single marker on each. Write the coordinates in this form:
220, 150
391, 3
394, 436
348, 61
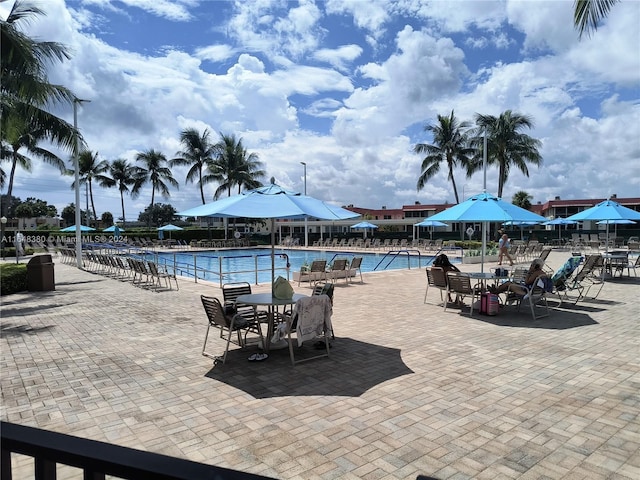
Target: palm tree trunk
153, 194
93, 207
13, 172
501, 179
201, 188
123, 217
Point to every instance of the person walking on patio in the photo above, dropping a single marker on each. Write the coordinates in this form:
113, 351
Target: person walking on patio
503, 245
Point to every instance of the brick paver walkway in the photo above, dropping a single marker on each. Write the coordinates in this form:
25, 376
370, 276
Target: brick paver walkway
409, 389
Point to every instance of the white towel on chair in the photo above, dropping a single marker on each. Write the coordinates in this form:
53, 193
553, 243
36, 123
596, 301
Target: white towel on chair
314, 317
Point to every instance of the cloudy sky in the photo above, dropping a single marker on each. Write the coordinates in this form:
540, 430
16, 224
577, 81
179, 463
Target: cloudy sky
347, 86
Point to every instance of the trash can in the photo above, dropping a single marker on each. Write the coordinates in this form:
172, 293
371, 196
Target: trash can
40, 275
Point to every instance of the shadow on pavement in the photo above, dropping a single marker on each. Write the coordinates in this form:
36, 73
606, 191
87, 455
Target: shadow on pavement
353, 368
13, 330
557, 320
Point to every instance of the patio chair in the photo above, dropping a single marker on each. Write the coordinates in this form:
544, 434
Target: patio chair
460, 284
544, 254
633, 266
435, 279
230, 294
227, 324
325, 289
339, 269
589, 275
310, 320
356, 266
317, 272
535, 298
161, 273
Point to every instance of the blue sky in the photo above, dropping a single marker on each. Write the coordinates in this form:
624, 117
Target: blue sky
347, 87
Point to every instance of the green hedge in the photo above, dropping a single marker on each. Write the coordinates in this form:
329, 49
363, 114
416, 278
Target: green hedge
13, 278
11, 252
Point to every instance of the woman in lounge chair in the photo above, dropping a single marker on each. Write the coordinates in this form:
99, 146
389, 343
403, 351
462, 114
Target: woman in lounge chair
535, 271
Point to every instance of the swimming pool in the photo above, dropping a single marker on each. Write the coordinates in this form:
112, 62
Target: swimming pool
254, 265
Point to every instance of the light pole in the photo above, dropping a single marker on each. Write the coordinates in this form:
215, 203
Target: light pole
76, 161
3, 222
306, 229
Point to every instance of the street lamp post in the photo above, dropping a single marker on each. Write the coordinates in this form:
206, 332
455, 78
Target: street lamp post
76, 162
306, 228
3, 222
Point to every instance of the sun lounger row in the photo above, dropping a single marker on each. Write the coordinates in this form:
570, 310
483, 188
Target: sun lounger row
141, 273
232, 243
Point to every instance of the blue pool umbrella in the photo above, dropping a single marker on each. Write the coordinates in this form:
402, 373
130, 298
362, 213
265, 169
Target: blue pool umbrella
431, 224
607, 210
364, 226
83, 228
521, 224
271, 201
485, 207
167, 228
560, 221
115, 229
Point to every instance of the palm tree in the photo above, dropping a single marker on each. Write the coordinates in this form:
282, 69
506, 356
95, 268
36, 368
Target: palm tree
450, 146
19, 134
522, 199
506, 146
127, 178
234, 167
156, 173
25, 88
588, 13
198, 153
91, 168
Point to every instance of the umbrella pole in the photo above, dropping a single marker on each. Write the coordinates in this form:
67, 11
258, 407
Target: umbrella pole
273, 252
484, 244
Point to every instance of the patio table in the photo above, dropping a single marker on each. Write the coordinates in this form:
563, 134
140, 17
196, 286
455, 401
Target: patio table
272, 303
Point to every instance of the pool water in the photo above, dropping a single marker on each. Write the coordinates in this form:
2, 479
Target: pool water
240, 265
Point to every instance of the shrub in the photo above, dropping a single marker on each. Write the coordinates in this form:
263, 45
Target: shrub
13, 278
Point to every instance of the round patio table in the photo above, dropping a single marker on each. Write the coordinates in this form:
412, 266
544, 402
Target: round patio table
272, 303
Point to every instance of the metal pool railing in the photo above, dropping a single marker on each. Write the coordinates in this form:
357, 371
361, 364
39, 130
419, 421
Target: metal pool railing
391, 255
192, 269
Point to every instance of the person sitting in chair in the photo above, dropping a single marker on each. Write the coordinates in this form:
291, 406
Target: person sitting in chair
443, 262
521, 288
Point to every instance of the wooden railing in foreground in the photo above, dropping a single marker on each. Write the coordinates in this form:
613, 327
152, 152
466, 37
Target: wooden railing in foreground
98, 459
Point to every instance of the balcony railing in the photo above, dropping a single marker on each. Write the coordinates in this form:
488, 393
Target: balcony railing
98, 459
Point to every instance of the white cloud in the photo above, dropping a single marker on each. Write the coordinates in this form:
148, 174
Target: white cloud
354, 115
340, 57
215, 53
177, 10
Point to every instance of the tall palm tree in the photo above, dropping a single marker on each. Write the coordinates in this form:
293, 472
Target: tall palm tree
506, 146
157, 173
198, 152
17, 135
126, 178
234, 166
25, 90
450, 146
91, 168
588, 13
